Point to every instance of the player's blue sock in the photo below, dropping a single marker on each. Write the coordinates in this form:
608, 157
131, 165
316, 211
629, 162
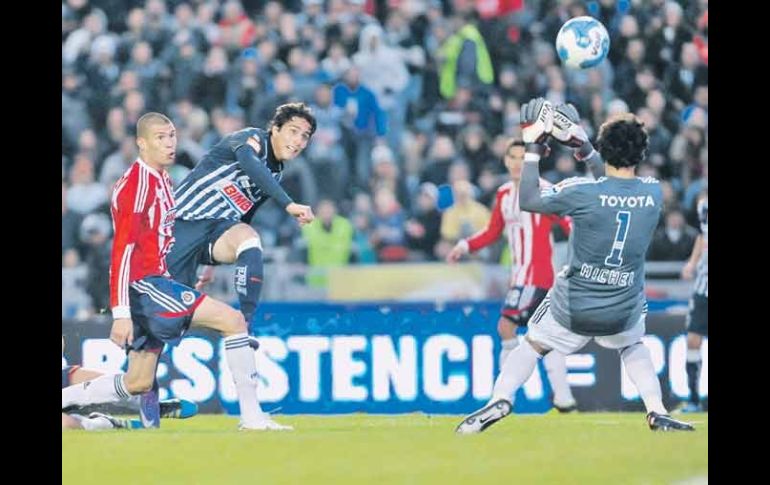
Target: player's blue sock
149, 407
693, 374
249, 272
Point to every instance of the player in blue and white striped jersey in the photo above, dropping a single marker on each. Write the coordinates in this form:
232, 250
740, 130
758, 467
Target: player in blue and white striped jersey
217, 200
698, 318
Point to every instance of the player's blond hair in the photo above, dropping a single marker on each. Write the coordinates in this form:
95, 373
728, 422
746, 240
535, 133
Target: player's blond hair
149, 119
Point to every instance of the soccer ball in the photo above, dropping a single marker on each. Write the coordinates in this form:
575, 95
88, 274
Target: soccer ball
582, 42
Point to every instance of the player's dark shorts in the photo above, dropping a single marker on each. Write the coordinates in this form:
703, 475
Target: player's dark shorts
162, 311
194, 245
521, 302
66, 374
698, 318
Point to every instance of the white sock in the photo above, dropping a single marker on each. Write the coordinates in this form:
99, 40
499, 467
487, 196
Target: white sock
556, 366
639, 368
93, 424
515, 371
507, 346
240, 358
693, 355
103, 389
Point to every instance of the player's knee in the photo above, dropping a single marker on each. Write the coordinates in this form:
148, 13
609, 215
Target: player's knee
693, 340
241, 233
250, 242
234, 323
505, 328
629, 348
540, 349
226, 247
68, 422
138, 384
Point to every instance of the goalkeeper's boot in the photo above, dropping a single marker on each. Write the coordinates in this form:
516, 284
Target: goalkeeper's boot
664, 422
484, 417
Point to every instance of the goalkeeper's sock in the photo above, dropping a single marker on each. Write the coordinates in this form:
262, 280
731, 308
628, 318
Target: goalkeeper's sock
516, 370
638, 364
556, 366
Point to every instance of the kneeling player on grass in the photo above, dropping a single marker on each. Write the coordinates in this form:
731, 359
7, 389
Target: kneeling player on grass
169, 408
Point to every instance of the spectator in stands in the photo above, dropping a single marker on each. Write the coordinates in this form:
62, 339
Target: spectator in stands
362, 218
329, 241
466, 216
388, 235
564, 168
422, 229
95, 232
385, 173
208, 62
364, 117
85, 194
70, 224
465, 61
674, 241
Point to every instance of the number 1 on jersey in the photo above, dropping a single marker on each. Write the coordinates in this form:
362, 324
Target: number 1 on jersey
615, 258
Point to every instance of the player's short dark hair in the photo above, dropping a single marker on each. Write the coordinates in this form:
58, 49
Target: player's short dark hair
515, 142
287, 111
623, 141
151, 118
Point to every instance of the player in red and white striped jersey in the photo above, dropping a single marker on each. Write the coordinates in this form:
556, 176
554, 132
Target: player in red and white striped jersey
531, 245
143, 218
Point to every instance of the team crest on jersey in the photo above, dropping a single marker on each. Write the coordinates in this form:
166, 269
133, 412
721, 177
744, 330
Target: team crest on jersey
188, 297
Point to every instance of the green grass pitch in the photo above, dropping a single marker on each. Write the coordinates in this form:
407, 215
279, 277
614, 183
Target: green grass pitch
417, 449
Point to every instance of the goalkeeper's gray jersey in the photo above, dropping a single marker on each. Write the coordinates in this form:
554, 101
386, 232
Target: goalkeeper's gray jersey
601, 289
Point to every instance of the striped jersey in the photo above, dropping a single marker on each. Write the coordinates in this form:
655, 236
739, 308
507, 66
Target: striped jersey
218, 187
142, 209
528, 234
702, 276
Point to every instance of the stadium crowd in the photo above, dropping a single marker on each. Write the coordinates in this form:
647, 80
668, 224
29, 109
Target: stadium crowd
408, 94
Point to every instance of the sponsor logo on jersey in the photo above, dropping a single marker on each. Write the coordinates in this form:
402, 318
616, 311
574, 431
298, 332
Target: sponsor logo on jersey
236, 198
168, 219
627, 201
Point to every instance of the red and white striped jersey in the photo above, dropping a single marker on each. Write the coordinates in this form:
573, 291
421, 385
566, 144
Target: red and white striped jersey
143, 219
529, 237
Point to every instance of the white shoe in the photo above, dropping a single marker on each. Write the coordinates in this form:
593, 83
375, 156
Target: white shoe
484, 417
567, 407
265, 425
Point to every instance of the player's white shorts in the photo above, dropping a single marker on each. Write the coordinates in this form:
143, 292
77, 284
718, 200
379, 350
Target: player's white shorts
547, 332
